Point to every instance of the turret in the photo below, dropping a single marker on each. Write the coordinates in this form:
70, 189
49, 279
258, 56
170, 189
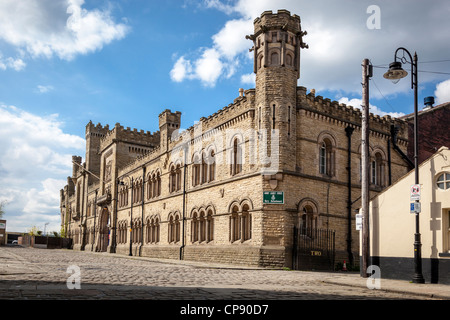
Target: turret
94, 133
168, 122
277, 42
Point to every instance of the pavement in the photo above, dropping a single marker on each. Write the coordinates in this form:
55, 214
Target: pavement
30, 273
341, 278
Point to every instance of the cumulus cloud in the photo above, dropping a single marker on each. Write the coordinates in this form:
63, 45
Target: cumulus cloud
338, 39
12, 63
56, 27
357, 103
44, 89
36, 152
442, 92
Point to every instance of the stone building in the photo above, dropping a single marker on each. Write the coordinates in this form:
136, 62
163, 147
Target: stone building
232, 188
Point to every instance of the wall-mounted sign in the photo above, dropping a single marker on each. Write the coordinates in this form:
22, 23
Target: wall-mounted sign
273, 197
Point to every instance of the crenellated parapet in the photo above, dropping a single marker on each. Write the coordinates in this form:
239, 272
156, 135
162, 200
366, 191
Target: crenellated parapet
119, 133
342, 114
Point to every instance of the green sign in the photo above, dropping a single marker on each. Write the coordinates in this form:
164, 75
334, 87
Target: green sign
273, 197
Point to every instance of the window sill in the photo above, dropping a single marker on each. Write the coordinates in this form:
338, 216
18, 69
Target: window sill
444, 255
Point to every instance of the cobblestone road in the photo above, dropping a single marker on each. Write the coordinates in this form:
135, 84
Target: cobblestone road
27, 273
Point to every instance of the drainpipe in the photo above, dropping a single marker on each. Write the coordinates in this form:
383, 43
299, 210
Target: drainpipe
349, 131
389, 162
142, 211
394, 132
184, 205
95, 218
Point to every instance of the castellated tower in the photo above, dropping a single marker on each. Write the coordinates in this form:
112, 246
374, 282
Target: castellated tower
168, 123
94, 133
277, 43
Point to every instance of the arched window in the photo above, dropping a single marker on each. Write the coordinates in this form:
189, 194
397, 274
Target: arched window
209, 226
377, 170
172, 179
274, 58
177, 228
158, 184
171, 230
178, 177
246, 223
234, 224
174, 228
289, 59
240, 224
204, 170
326, 158
202, 226
212, 166
196, 170
194, 227
236, 161
149, 187
308, 219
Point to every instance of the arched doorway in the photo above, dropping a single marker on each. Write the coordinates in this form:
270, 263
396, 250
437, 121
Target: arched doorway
103, 231
313, 248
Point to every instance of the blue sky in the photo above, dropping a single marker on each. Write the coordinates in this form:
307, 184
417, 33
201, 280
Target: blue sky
65, 62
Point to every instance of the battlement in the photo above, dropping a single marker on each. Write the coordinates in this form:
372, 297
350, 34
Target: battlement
119, 133
96, 130
171, 118
282, 19
230, 113
333, 109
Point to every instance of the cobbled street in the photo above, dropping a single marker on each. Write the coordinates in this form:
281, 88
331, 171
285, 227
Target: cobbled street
29, 273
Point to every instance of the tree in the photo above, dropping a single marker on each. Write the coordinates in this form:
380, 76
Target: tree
2, 206
34, 231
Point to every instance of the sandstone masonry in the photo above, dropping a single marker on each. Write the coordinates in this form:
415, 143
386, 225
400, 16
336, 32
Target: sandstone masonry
198, 194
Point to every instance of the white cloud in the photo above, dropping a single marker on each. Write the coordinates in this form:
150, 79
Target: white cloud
357, 103
36, 152
248, 78
339, 39
44, 89
11, 63
209, 67
56, 27
442, 92
181, 70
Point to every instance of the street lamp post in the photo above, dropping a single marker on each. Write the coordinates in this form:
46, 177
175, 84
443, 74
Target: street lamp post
395, 73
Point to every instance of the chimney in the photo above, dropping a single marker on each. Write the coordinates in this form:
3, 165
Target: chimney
428, 101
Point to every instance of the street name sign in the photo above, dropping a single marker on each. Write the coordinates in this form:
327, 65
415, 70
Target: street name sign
273, 197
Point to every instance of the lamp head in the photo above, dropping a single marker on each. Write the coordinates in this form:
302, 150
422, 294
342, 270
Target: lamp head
395, 72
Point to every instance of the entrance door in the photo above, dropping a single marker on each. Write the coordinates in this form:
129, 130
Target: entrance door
103, 234
448, 231
313, 249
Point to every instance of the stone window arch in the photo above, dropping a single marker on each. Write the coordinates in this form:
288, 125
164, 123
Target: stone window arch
196, 169
194, 227
209, 225
308, 217
326, 154
240, 222
211, 160
174, 228
236, 157
274, 58
377, 169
